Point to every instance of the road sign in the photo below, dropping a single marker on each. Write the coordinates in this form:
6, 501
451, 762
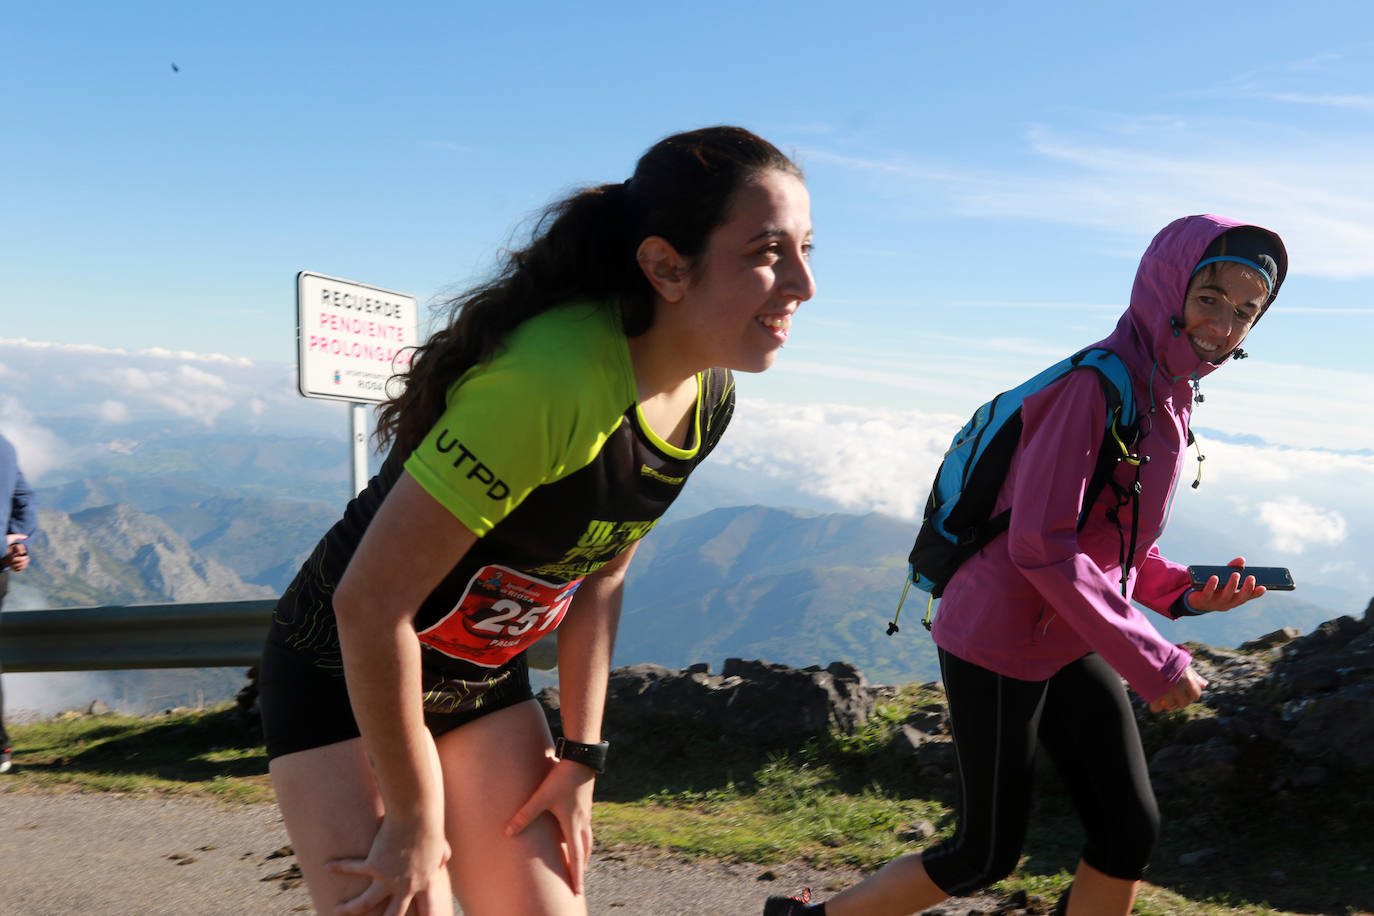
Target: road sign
351, 337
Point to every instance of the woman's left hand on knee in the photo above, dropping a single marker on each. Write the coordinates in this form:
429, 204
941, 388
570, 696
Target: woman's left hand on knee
566, 794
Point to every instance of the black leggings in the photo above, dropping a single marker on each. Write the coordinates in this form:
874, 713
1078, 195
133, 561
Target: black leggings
1083, 718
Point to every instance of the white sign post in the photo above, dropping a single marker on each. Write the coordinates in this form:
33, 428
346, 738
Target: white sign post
350, 339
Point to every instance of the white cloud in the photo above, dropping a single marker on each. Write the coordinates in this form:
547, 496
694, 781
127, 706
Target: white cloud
1356, 102
119, 446
1286, 404
154, 352
866, 459
1137, 176
39, 448
883, 459
186, 391
83, 383
1267, 465
1295, 525
113, 412
193, 376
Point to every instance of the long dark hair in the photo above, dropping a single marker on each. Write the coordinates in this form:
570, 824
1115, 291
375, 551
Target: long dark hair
584, 247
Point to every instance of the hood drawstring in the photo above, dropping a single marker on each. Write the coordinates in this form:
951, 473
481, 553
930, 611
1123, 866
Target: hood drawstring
1192, 440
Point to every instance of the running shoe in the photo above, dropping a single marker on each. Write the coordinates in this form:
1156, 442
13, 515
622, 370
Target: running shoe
5, 760
788, 906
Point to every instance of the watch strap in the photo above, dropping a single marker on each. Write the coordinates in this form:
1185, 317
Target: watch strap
589, 755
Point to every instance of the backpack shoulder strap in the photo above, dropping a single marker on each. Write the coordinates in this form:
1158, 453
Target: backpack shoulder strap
1119, 437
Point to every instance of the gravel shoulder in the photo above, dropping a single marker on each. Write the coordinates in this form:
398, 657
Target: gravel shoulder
119, 856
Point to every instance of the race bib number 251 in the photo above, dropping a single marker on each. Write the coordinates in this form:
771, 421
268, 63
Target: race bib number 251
501, 613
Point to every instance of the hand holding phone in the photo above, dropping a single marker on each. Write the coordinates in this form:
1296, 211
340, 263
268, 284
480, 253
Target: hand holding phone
1273, 578
1222, 588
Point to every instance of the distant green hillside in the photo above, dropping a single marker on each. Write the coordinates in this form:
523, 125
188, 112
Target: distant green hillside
167, 467
755, 582
804, 589
789, 586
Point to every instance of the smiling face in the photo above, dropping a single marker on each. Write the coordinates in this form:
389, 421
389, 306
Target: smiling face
1223, 302
752, 276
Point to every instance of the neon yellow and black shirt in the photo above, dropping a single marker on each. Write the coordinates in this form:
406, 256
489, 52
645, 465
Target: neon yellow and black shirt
542, 451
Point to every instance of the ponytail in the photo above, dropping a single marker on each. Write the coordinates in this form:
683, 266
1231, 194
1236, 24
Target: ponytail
584, 247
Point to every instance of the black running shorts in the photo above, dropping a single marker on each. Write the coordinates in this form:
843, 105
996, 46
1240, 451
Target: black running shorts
304, 707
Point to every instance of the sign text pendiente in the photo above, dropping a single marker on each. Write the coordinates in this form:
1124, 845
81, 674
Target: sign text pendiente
351, 337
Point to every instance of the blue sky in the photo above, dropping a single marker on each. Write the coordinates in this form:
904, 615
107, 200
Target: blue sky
983, 178
966, 166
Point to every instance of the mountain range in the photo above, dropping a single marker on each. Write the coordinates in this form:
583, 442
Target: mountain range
796, 586
183, 477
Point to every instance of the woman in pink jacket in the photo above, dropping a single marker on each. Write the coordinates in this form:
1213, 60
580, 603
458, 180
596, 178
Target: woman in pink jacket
1037, 630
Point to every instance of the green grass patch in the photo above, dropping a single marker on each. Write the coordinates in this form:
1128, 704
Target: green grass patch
842, 802
207, 754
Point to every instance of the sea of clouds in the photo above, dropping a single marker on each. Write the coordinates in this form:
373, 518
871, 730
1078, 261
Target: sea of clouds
1297, 483
1306, 508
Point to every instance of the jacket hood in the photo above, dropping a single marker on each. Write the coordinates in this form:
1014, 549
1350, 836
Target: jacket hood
1161, 281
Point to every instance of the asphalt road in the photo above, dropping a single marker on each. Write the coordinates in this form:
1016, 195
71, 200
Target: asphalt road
109, 855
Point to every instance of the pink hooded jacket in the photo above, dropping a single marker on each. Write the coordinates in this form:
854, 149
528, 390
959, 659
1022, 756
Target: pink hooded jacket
1045, 594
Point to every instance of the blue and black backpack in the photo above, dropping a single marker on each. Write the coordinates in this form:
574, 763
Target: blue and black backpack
958, 520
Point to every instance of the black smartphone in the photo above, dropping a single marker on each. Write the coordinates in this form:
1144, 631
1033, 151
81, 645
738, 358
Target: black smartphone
1274, 578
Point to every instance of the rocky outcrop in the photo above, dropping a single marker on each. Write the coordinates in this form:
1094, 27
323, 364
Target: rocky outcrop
119, 555
1308, 701
753, 703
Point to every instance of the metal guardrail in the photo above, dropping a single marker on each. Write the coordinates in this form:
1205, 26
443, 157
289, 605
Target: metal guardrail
223, 634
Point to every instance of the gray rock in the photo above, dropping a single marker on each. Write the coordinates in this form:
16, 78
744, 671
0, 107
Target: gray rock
1308, 777
1314, 679
936, 754
1198, 731
1206, 766
1198, 857
915, 833
906, 741
1271, 640
1340, 723
751, 702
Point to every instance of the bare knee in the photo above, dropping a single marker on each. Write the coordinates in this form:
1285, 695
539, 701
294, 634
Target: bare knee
332, 809
492, 872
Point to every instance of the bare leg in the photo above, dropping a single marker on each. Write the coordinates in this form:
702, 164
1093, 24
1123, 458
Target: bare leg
898, 888
491, 767
329, 800
1096, 894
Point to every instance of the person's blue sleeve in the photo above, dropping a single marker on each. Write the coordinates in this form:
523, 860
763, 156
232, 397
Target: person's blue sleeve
23, 511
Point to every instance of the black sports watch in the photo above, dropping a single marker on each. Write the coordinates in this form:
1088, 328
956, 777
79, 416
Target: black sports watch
589, 755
